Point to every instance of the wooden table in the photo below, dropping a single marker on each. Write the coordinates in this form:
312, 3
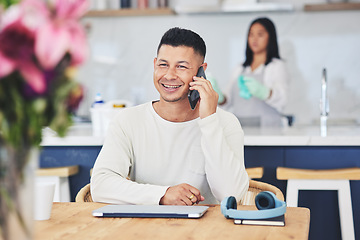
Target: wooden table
74, 221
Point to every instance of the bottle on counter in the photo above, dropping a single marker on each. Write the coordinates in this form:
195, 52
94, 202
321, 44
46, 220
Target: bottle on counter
99, 101
99, 4
143, 4
114, 4
153, 4
97, 112
163, 3
125, 3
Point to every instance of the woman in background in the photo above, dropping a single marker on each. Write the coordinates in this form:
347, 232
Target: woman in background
257, 92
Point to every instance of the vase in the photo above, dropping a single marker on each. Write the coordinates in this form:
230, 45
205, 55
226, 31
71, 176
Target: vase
17, 176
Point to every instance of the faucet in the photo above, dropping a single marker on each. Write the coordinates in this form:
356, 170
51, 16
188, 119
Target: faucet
324, 105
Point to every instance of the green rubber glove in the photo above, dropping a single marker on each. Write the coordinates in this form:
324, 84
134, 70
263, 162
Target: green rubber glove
244, 91
256, 88
216, 87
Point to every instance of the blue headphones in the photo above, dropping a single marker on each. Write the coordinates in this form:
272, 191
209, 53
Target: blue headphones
268, 204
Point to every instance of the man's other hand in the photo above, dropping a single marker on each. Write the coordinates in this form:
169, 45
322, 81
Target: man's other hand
182, 194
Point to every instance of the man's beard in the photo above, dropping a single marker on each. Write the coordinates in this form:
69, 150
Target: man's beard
170, 100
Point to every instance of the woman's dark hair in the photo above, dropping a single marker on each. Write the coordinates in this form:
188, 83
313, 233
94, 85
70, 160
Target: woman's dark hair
272, 47
183, 37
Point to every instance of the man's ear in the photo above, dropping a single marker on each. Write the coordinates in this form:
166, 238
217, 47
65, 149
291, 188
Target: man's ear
204, 66
155, 59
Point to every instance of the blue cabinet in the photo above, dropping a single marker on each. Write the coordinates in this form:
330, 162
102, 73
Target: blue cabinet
83, 156
325, 222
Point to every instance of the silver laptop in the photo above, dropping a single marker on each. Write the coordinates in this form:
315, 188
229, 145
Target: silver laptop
150, 211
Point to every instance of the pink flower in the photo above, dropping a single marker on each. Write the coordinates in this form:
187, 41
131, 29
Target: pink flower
6, 65
35, 36
17, 53
61, 34
31, 13
73, 9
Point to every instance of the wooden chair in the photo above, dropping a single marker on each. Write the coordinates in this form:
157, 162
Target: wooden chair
59, 176
329, 179
255, 187
84, 195
255, 172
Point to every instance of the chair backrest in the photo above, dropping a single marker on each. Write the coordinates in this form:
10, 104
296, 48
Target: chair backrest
84, 195
255, 172
284, 173
256, 187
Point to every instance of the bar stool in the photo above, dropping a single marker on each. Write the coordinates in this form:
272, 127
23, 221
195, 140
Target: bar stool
332, 179
255, 172
60, 176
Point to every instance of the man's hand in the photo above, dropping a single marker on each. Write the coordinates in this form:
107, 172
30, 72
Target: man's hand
182, 194
208, 97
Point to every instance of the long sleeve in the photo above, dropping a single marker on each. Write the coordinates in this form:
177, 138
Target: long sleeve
276, 78
109, 181
222, 142
143, 155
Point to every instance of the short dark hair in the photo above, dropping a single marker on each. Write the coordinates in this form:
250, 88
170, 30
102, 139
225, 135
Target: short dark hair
272, 47
183, 37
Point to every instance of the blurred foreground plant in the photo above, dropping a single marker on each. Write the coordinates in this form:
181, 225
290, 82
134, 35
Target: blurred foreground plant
41, 43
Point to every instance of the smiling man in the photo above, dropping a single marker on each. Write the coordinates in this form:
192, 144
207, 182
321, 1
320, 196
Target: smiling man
163, 152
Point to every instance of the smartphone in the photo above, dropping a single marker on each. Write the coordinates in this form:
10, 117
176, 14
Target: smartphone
193, 94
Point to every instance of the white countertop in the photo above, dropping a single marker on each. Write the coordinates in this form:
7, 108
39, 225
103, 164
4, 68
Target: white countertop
303, 136
82, 135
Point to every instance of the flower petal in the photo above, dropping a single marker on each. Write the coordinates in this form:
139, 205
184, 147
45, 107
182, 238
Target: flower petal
11, 15
34, 13
51, 44
79, 49
33, 76
17, 42
67, 9
7, 66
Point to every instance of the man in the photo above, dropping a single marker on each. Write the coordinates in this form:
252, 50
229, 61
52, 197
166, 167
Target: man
163, 152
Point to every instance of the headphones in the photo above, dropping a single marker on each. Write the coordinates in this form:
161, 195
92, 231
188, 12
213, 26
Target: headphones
268, 204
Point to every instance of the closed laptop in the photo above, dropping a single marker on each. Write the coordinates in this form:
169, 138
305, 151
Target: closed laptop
150, 211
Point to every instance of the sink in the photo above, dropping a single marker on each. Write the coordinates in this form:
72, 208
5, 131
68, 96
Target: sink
337, 122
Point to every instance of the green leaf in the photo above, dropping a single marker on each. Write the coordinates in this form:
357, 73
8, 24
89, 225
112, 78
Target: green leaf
7, 3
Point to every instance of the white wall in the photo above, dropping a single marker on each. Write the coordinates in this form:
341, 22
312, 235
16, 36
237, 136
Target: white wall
123, 49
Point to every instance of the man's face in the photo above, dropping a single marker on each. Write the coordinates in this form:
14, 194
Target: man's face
174, 69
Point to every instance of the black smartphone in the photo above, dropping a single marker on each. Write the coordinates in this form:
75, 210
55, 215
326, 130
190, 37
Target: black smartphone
193, 94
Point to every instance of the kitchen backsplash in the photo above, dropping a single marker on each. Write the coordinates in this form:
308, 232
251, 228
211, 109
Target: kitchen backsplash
123, 48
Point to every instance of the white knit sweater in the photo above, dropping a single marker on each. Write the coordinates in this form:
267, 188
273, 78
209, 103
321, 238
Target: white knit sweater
156, 154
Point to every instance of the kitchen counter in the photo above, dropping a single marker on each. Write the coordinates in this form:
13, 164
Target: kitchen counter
302, 136
82, 135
